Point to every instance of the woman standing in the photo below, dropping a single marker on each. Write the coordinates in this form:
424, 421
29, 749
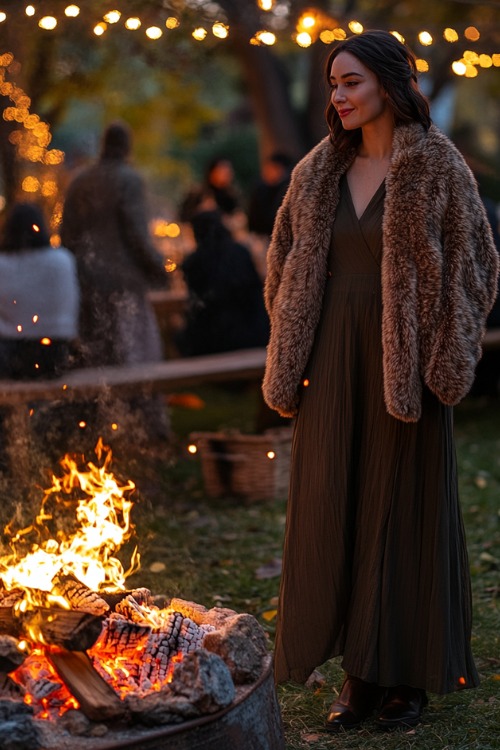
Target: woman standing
381, 272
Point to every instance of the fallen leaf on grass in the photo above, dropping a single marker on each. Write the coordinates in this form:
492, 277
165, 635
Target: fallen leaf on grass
157, 567
311, 737
269, 615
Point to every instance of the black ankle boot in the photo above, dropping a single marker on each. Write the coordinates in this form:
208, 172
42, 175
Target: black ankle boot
402, 707
356, 702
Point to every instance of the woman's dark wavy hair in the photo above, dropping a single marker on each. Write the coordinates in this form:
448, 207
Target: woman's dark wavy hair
394, 65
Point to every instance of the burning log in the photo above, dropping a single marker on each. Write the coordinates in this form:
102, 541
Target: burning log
97, 700
75, 631
79, 596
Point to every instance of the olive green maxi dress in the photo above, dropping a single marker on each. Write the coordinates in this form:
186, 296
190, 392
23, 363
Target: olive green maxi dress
374, 563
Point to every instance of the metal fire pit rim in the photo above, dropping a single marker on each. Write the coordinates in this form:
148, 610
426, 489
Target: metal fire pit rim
177, 729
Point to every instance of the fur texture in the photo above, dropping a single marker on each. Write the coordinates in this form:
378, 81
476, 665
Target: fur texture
439, 272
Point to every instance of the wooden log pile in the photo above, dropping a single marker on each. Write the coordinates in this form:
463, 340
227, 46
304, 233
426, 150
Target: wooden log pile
123, 658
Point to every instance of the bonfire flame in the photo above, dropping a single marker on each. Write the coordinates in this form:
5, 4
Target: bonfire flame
42, 552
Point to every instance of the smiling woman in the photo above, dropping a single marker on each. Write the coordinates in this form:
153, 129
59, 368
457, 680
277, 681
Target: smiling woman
381, 273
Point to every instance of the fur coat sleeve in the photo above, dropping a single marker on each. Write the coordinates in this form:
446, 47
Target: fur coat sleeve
439, 271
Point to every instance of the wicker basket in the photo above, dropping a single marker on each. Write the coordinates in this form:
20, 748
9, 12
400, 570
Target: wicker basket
252, 466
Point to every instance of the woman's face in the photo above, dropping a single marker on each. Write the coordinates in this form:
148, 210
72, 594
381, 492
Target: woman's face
356, 92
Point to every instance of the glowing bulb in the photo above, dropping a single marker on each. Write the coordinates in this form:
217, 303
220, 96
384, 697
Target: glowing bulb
35, 227
327, 36
459, 67
199, 34
307, 22
485, 61
398, 36
113, 16
132, 24
422, 65
48, 23
45, 341
100, 28
30, 10
35, 319
472, 34
339, 34
3, 16
154, 32
425, 38
192, 449
266, 37
266, 4
450, 35
470, 71
271, 455
356, 27
220, 30
172, 23
303, 39
72, 11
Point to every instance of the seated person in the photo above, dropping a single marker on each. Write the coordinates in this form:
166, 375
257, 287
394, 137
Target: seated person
39, 298
226, 297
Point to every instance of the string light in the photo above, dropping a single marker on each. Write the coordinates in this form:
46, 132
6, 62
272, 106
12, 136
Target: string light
265, 37
48, 23
356, 27
154, 32
425, 38
220, 30
312, 25
100, 28
113, 16
199, 34
450, 35
303, 39
132, 24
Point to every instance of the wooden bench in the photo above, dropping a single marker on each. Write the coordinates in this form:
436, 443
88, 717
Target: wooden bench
124, 382
121, 382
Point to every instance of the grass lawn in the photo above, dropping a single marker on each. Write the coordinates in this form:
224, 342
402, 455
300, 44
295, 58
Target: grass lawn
226, 552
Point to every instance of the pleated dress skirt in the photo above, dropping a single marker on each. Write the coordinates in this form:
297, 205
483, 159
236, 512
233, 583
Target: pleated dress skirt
375, 564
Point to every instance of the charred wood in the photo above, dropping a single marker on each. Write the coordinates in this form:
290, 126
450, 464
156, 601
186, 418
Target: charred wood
10, 654
75, 631
97, 700
79, 596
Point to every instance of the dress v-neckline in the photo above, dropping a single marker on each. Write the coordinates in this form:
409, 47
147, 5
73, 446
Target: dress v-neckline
368, 205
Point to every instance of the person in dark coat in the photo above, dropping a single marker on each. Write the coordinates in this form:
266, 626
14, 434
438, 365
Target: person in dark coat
227, 307
268, 194
105, 224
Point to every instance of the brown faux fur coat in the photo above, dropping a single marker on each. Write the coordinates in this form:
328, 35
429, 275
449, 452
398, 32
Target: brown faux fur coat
439, 272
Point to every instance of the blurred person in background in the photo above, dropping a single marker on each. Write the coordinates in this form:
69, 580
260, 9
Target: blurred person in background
39, 307
39, 298
226, 309
105, 225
